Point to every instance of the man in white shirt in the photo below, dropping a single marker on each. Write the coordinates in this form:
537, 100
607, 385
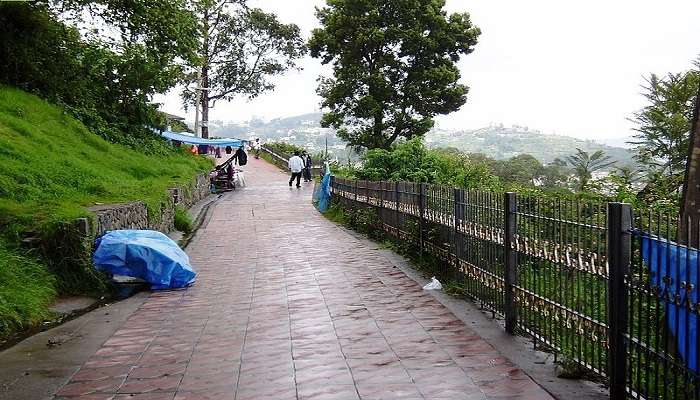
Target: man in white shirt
256, 147
296, 165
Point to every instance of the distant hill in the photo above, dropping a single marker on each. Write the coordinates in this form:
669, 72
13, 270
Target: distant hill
495, 141
502, 142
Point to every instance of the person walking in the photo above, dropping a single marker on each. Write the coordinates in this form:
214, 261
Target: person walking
256, 148
296, 165
240, 157
307, 167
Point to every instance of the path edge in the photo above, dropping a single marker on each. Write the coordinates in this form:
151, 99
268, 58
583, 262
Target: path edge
538, 365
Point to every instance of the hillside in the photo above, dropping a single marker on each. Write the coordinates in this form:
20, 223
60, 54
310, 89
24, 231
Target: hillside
502, 142
52, 168
495, 141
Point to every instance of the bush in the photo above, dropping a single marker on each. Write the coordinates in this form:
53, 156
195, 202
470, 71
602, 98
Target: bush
183, 221
26, 290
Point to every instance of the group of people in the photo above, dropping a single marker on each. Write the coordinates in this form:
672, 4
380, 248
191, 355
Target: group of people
300, 166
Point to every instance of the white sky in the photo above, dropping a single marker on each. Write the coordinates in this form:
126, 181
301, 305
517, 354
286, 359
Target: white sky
573, 68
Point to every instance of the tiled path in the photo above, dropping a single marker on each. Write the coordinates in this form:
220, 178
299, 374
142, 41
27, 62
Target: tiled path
288, 306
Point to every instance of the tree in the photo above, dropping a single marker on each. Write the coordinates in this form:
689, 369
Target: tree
105, 80
240, 49
663, 126
553, 175
584, 165
690, 206
393, 67
521, 169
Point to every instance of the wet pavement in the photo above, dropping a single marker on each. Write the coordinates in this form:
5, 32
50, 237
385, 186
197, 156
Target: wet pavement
289, 306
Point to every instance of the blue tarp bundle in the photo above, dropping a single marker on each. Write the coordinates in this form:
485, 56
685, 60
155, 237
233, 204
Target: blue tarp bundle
196, 140
148, 255
680, 264
322, 195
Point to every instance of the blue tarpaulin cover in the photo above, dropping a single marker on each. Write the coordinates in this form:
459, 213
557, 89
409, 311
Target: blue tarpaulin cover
148, 255
233, 142
322, 195
677, 264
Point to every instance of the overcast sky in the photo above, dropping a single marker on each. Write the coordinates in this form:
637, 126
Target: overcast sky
574, 68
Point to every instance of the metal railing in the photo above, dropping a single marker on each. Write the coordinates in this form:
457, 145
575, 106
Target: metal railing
571, 274
280, 160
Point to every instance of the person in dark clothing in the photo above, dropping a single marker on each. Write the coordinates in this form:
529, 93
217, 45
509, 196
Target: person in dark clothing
229, 175
240, 157
307, 167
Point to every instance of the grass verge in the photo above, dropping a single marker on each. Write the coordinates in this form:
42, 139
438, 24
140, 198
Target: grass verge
52, 168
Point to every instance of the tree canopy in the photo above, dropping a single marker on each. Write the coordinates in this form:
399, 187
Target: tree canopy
393, 66
663, 125
585, 164
104, 72
240, 48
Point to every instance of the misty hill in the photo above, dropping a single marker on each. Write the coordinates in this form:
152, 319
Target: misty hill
502, 142
495, 141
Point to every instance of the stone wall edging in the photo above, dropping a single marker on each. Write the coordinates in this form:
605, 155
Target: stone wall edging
135, 215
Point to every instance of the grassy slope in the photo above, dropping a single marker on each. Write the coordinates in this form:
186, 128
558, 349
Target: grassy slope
51, 168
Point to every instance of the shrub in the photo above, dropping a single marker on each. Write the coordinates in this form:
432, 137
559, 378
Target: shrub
183, 221
26, 290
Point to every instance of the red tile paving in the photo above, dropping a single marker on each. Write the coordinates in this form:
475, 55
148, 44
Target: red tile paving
288, 306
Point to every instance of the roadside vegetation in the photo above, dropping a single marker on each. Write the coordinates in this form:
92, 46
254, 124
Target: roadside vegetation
53, 168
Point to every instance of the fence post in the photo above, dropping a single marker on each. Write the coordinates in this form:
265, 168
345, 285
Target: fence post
619, 256
421, 215
396, 199
457, 200
511, 261
355, 192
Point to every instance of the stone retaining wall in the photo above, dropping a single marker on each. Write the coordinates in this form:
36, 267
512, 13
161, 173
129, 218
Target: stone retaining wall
134, 215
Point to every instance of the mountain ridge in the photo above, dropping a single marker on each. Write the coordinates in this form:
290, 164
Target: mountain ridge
496, 140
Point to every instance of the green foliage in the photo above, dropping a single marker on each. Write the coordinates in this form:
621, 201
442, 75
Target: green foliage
522, 169
242, 48
52, 166
412, 161
663, 125
283, 148
26, 291
183, 221
394, 66
179, 126
105, 84
554, 175
584, 165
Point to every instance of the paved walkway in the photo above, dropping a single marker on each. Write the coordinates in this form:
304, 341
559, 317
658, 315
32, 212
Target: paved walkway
288, 306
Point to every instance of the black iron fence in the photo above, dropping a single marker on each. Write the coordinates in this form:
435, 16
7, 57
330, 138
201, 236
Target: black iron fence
612, 293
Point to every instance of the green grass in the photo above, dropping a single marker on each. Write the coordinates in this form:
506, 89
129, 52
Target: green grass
183, 221
52, 168
26, 290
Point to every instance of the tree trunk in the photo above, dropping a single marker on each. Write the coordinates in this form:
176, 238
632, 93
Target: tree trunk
205, 78
690, 211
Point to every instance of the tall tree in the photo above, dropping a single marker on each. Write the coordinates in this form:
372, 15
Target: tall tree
241, 48
663, 126
584, 165
393, 66
690, 211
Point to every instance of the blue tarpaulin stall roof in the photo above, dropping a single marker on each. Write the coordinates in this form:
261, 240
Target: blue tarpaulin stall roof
148, 255
674, 267
233, 142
